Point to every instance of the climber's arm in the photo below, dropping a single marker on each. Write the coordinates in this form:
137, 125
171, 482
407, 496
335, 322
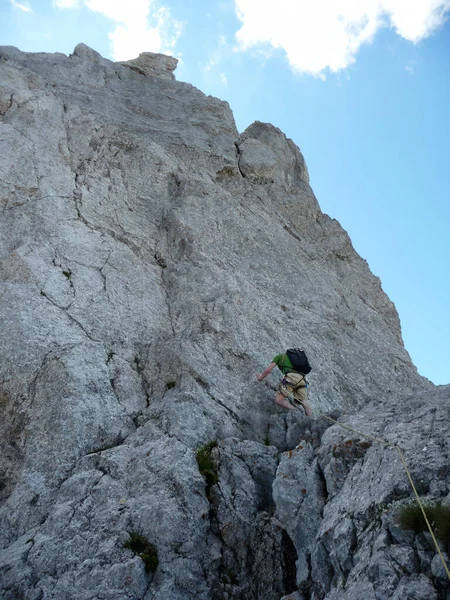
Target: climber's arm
266, 371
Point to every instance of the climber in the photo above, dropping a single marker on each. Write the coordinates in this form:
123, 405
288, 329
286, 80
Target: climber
293, 383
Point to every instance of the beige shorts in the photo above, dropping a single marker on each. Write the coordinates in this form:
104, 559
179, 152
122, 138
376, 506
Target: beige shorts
288, 383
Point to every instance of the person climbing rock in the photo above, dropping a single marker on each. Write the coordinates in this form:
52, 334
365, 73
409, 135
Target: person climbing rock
293, 381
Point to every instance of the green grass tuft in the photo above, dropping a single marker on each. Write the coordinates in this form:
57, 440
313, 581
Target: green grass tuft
411, 518
171, 384
141, 546
206, 464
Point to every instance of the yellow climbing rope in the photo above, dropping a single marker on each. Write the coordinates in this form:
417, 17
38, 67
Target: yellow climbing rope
405, 466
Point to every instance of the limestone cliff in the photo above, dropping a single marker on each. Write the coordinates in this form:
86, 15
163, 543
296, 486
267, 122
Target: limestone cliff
152, 261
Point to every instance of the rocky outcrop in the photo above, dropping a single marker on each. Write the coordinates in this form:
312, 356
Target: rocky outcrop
152, 260
352, 488
153, 65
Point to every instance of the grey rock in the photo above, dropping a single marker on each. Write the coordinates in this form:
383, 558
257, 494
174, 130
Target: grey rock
151, 64
355, 591
357, 542
415, 588
296, 492
251, 540
267, 156
152, 261
294, 596
86, 53
438, 571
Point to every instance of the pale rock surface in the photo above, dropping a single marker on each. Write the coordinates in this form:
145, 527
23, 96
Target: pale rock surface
152, 260
156, 65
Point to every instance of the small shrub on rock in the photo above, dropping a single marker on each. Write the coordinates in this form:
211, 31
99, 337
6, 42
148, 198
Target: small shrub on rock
141, 546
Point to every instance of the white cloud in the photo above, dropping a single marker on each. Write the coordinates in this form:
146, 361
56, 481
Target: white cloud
139, 25
224, 79
24, 6
323, 35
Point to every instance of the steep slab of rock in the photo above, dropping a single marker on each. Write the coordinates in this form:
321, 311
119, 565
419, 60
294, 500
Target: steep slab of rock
152, 260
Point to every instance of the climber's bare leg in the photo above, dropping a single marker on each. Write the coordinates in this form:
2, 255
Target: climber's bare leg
282, 401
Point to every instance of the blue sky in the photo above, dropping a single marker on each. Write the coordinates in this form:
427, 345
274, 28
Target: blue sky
361, 86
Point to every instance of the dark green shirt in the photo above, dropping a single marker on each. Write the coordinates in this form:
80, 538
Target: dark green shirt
283, 363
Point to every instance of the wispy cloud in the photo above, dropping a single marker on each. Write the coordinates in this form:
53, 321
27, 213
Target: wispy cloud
24, 6
215, 57
326, 35
66, 3
410, 67
140, 26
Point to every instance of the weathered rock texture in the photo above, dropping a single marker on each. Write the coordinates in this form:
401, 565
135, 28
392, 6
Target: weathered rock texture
157, 65
152, 261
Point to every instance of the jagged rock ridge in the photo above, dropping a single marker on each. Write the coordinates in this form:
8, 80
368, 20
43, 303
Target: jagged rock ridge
152, 260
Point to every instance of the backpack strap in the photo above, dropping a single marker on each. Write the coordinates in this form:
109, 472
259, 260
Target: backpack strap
299, 384
284, 366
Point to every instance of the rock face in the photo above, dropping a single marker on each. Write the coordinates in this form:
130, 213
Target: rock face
152, 261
